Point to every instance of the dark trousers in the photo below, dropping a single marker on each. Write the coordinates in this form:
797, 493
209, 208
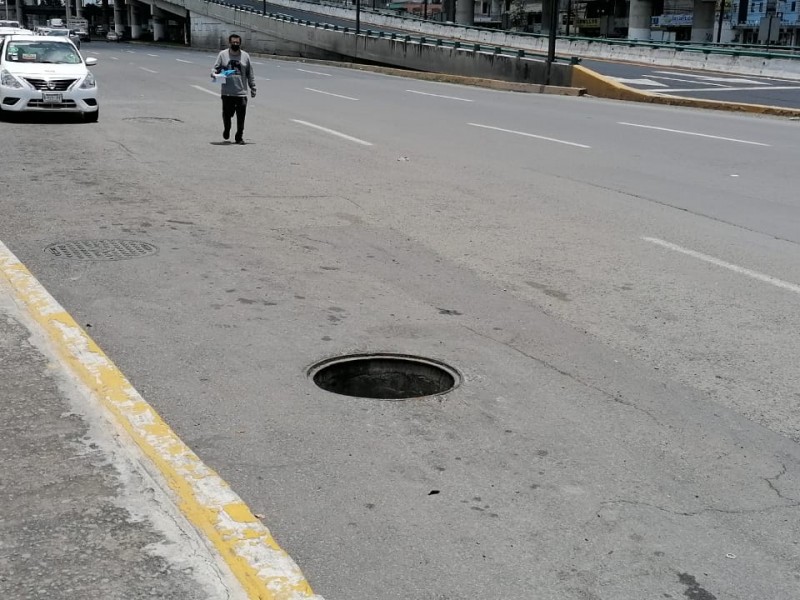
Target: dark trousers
230, 105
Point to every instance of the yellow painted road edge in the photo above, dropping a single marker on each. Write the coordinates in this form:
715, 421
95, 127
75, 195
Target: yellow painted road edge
264, 570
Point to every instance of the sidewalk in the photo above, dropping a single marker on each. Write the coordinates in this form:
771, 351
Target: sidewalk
79, 519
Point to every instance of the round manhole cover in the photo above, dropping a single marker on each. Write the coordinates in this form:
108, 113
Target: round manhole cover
384, 376
101, 249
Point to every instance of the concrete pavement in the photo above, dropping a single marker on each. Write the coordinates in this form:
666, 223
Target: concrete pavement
88, 509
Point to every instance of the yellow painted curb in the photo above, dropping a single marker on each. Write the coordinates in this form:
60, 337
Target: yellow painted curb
264, 570
605, 87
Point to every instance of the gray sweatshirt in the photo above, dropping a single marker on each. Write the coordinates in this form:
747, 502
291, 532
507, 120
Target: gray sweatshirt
236, 84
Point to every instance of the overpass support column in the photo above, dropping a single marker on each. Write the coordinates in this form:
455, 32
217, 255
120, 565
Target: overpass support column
119, 16
639, 19
159, 32
703, 21
133, 19
465, 12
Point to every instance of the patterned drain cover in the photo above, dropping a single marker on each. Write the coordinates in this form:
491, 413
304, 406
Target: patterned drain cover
101, 249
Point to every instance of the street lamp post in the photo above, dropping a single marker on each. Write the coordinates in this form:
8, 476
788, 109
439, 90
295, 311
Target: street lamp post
358, 17
264, 9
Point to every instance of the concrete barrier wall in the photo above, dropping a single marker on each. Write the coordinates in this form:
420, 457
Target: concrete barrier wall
212, 23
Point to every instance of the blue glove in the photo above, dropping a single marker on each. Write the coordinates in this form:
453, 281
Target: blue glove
228, 72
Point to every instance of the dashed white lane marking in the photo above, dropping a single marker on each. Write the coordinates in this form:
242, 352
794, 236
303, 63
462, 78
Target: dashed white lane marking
333, 132
532, 135
207, 91
315, 72
439, 96
148, 70
726, 265
130, 51
114, 58
694, 133
331, 94
188, 62
257, 63
153, 55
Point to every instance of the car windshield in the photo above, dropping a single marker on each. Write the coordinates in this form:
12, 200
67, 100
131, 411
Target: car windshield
50, 52
62, 32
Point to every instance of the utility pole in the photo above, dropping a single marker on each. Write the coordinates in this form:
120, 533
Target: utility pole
551, 41
358, 17
721, 13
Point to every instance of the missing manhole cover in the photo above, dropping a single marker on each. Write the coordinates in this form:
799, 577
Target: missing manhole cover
384, 376
101, 249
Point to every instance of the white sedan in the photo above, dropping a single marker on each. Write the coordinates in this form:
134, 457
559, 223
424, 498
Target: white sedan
46, 74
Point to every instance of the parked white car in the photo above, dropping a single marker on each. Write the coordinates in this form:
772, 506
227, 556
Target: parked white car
46, 74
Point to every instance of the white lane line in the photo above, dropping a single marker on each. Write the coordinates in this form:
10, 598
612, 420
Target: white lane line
726, 265
440, 96
188, 62
731, 89
640, 81
332, 132
705, 135
710, 78
264, 78
130, 51
330, 94
722, 85
538, 137
257, 63
207, 91
153, 55
315, 72
114, 58
148, 70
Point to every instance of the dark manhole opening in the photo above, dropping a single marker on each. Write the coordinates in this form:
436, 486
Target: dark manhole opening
384, 376
101, 249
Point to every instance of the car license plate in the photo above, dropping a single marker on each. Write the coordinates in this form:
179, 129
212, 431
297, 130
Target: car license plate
51, 96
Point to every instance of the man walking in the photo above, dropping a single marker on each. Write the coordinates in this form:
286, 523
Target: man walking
235, 62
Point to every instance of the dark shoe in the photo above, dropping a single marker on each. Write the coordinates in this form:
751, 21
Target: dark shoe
226, 134
240, 141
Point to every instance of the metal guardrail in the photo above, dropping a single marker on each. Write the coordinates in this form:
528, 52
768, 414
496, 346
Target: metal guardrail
422, 40
749, 50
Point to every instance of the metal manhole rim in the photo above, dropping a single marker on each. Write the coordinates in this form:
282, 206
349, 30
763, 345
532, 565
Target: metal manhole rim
320, 365
154, 119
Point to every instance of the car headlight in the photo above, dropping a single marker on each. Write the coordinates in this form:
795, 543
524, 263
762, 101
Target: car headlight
8, 80
88, 82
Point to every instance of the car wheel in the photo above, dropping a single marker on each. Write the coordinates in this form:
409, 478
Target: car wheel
91, 117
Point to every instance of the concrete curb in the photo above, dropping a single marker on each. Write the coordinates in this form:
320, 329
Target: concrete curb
605, 87
263, 569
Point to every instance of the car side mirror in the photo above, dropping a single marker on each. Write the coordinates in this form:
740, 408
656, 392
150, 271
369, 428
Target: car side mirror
91, 61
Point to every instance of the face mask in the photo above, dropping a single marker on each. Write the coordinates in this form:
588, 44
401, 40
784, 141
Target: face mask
235, 47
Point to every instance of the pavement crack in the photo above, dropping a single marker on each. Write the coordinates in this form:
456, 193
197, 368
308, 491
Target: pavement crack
616, 397
771, 481
725, 511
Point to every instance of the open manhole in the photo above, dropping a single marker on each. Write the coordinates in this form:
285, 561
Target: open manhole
101, 249
384, 376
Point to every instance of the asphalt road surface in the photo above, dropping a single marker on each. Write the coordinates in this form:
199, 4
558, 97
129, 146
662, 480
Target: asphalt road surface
618, 284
